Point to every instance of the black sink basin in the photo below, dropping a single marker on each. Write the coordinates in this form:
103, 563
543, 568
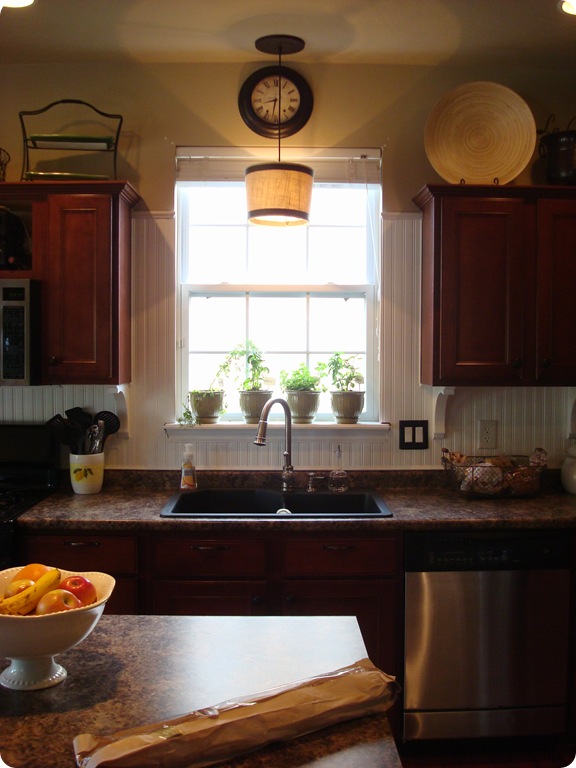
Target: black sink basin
230, 503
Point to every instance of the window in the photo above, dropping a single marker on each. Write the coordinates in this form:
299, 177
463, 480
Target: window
298, 293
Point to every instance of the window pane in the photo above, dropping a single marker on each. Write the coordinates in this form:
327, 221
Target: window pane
213, 320
216, 204
277, 254
337, 324
216, 255
337, 204
278, 322
339, 252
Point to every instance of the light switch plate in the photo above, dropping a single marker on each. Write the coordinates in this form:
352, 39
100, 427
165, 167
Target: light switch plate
413, 435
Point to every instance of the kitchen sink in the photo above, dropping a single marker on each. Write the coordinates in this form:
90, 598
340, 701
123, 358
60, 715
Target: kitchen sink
262, 503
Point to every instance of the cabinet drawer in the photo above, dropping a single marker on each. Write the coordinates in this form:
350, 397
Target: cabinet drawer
211, 598
340, 557
194, 558
114, 554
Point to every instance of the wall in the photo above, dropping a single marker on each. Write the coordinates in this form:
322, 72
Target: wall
169, 105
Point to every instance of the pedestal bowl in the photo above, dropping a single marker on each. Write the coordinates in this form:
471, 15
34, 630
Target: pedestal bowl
31, 642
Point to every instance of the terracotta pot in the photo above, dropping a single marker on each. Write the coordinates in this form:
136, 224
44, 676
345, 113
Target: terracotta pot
252, 402
347, 406
303, 405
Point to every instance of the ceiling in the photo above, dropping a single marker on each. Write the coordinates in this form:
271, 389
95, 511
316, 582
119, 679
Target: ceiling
421, 32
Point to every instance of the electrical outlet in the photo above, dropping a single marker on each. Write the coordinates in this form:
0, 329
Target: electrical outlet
487, 433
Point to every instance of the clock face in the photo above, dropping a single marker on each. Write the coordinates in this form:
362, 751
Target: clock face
275, 99
272, 103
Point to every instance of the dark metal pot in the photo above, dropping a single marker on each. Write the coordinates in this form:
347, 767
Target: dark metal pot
559, 149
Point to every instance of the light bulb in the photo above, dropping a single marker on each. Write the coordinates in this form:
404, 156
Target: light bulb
568, 6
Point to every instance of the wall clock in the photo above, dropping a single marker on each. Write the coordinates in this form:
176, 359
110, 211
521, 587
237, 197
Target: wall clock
275, 101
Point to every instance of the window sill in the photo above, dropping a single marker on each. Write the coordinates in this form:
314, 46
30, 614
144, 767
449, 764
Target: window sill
224, 429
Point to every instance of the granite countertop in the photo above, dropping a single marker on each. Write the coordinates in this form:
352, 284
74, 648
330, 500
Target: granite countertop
425, 503
134, 670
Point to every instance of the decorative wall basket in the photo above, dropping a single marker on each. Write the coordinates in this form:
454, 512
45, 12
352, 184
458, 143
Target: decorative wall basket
480, 133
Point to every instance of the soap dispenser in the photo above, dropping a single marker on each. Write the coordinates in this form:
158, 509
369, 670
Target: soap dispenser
338, 479
188, 477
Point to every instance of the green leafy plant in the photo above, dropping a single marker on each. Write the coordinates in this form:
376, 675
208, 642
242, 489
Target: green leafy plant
344, 373
245, 364
301, 379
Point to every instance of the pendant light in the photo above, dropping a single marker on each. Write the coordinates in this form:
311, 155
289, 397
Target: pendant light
15, 3
279, 194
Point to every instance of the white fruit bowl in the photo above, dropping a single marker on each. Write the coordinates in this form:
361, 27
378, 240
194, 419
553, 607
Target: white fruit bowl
31, 642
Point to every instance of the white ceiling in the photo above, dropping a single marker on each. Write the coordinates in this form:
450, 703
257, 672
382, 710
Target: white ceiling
459, 32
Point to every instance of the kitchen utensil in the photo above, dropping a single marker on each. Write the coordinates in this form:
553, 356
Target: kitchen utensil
79, 416
111, 424
67, 433
480, 133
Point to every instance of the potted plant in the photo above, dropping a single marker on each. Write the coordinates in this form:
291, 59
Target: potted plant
347, 399
204, 406
245, 364
302, 390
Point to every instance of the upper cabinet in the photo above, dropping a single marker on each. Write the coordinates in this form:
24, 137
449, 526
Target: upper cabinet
80, 253
498, 271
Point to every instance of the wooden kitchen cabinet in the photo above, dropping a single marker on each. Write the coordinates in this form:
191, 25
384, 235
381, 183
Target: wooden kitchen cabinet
497, 271
80, 234
305, 575
116, 555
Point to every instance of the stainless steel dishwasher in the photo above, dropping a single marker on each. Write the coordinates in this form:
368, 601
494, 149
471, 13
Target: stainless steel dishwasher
487, 620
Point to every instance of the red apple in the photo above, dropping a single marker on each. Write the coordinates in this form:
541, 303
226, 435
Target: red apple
80, 586
17, 586
57, 600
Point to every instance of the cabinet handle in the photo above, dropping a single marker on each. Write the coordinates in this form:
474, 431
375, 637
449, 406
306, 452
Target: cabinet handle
517, 362
290, 599
211, 548
81, 543
257, 600
52, 360
339, 547
545, 363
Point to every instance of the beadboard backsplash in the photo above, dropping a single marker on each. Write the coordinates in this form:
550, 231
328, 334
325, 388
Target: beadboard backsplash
527, 417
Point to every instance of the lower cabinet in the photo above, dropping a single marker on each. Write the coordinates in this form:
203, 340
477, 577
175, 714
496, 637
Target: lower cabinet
308, 575
116, 555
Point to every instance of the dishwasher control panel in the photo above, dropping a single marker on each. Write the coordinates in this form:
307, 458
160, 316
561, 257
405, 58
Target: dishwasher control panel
486, 551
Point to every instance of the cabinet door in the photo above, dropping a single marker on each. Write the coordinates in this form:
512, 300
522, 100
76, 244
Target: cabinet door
556, 280
372, 601
475, 283
117, 555
80, 290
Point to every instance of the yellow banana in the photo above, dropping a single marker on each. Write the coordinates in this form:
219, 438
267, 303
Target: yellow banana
26, 601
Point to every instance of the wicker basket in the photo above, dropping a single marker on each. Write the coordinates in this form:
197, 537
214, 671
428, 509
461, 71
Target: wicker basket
493, 477
4, 160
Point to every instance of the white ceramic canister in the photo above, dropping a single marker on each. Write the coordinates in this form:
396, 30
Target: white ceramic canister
87, 472
568, 471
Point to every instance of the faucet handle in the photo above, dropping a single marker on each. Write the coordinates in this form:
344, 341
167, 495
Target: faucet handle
312, 477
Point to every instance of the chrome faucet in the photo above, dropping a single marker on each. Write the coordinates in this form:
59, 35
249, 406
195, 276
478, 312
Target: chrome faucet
288, 476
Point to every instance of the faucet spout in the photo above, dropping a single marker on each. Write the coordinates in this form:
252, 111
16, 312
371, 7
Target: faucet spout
288, 477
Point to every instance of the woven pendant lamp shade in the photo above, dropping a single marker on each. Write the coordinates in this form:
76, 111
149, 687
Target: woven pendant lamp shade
279, 194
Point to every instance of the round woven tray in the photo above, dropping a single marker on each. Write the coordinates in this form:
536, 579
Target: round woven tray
480, 133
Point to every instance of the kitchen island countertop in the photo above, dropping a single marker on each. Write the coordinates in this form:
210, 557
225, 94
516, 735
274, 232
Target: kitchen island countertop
134, 670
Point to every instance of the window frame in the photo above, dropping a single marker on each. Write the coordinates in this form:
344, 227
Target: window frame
371, 291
